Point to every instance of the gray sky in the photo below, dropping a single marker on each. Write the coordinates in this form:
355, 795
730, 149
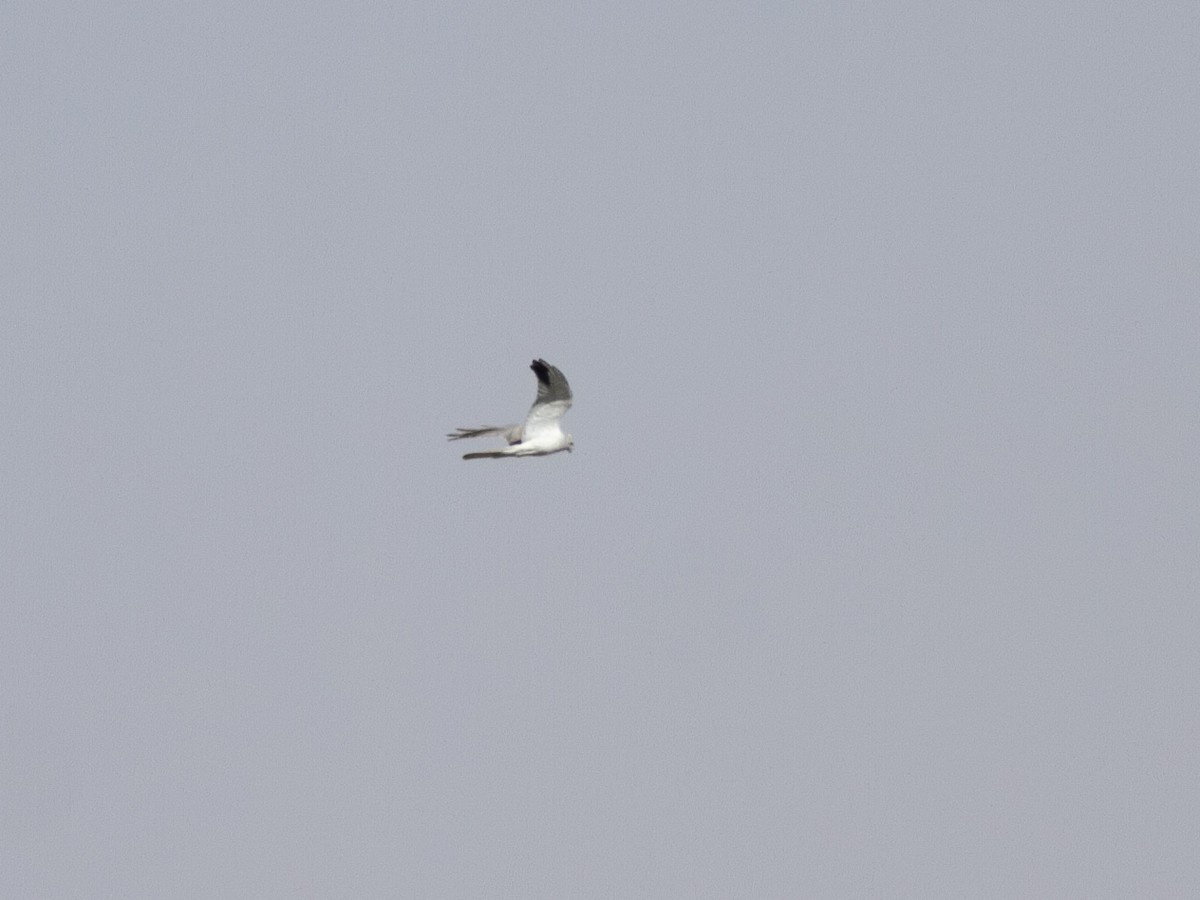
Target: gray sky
874, 571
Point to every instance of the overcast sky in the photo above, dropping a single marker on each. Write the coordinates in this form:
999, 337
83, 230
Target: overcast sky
873, 573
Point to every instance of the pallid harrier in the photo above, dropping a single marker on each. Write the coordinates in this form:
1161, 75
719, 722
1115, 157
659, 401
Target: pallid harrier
541, 434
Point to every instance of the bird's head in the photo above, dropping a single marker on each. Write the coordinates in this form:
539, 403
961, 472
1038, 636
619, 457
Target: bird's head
570, 444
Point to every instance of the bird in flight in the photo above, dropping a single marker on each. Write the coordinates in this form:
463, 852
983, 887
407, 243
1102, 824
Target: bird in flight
541, 433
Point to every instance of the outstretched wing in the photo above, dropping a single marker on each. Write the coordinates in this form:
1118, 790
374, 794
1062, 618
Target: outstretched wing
553, 399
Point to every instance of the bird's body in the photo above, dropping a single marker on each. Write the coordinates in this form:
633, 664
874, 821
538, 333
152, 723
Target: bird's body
541, 433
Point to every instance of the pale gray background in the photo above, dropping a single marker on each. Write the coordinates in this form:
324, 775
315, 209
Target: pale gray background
874, 572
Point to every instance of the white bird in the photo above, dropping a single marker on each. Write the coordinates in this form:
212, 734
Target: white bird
541, 433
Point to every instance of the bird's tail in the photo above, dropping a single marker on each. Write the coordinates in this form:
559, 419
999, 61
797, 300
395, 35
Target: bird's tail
460, 433
510, 432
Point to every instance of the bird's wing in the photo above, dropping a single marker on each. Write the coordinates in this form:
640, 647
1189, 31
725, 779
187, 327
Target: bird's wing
553, 399
487, 454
